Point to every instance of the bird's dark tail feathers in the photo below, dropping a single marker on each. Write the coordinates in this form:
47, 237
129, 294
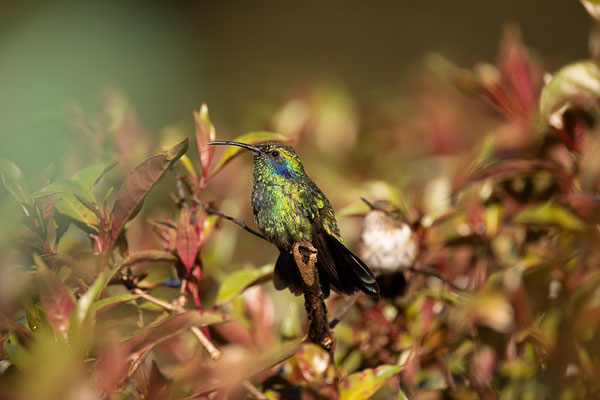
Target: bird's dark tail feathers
337, 266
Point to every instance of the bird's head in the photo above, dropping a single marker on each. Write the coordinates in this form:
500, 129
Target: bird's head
272, 160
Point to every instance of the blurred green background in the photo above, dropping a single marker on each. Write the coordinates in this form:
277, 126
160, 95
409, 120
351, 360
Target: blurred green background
240, 57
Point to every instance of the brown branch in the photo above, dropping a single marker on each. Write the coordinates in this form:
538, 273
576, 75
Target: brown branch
305, 256
428, 271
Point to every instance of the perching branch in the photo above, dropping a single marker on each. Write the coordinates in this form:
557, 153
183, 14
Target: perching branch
305, 256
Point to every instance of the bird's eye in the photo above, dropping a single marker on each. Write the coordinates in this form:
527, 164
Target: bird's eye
275, 154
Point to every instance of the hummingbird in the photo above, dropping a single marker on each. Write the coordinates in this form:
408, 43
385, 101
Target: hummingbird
389, 245
289, 208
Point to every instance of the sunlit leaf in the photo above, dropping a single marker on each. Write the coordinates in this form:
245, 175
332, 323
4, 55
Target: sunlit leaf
577, 83
236, 282
187, 239
138, 184
549, 214
364, 384
250, 138
13, 179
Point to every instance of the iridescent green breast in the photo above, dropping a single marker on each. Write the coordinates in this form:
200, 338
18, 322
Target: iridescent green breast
284, 211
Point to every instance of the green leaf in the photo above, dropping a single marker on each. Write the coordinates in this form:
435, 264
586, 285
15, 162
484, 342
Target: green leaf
91, 175
13, 179
578, 83
113, 300
66, 201
250, 138
236, 282
138, 184
364, 384
550, 214
82, 320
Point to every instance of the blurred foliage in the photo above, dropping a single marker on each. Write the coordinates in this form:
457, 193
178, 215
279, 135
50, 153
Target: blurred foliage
119, 284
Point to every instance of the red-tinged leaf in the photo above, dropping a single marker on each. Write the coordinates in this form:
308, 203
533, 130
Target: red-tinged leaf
165, 329
522, 86
46, 206
187, 239
250, 138
157, 384
138, 184
205, 133
57, 301
112, 364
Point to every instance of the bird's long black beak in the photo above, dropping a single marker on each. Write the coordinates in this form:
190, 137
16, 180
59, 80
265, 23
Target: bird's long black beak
239, 144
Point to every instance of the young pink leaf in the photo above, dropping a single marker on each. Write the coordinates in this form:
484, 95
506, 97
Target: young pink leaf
205, 133
138, 184
187, 239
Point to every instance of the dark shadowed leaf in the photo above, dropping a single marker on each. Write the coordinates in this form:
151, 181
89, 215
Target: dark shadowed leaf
364, 384
187, 239
205, 133
138, 184
13, 179
250, 138
236, 282
577, 83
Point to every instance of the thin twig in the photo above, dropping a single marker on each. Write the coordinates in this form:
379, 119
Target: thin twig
158, 302
432, 272
213, 352
239, 222
343, 310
